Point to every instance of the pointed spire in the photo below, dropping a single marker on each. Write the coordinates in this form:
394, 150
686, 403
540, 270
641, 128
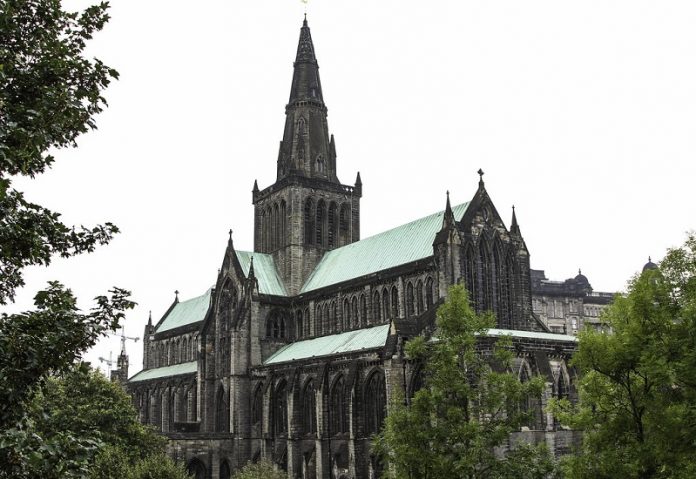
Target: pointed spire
358, 181
149, 319
448, 218
514, 227
256, 187
480, 173
305, 80
251, 267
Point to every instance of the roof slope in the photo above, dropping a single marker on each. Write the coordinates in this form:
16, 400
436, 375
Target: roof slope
350, 341
186, 312
166, 371
264, 270
403, 244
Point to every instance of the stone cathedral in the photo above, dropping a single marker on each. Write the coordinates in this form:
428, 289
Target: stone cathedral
294, 352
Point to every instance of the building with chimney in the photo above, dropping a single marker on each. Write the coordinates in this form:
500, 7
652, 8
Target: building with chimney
295, 350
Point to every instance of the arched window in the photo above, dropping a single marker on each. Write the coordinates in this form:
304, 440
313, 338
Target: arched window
299, 326
283, 223
334, 317
196, 469
363, 310
395, 302
309, 409
321, 214
385, 303
355, 313
345, 323
317, 321
222, 421
320, 164
375, 403
181, 405
225, 472
410, 300
419, 297
486, 277
417, 381
376, 308
307, 331
280, 410
428, 293
339, 408
282, 327
344, 219
276, 226
510, 275
276, 328
469, 273
184, 350
257, 406
332, 233
309, 221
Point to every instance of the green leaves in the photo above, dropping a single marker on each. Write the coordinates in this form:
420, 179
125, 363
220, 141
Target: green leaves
637, 393
465, 409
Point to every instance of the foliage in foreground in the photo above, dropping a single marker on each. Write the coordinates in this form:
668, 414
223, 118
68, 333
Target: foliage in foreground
465, 409
83, 425
263, 469
638, 384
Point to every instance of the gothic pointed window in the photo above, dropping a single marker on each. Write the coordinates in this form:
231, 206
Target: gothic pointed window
282, 327
469, 273
257, 407
326, 326
276, 226
499, 281
309, 408
317, 321
309, 221
283, 223
307, 331
332, 223
334, 317
385, 303
320, 226
320, 164
280, 410
376, 308
410, 300
339, 408
395, 302
222, 423
510, 275
355, 313
345, 324
486, 277
375, 403
344, 219
419, 297
299, 324
363, 310
429, 293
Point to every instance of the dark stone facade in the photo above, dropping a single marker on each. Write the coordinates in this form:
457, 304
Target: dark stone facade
209, 382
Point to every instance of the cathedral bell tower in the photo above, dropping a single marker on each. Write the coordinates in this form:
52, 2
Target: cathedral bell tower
307, 211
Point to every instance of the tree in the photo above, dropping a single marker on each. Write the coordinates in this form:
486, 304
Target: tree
260, 470
49, 95
638, 384
465, 411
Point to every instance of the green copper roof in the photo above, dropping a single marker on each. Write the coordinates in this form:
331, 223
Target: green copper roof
186, 312
264, 270
401, 245
166, 371
347, 342
532, 335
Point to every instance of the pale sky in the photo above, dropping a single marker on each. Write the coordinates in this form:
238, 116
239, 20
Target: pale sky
581, 114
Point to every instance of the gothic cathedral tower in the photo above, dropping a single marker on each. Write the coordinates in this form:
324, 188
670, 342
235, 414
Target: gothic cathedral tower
307, 211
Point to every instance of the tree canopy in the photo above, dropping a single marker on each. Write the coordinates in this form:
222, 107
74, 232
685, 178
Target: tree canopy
457, 422
638, 383
50, 93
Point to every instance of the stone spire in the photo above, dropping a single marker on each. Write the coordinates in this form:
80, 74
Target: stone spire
307, 149
514, 227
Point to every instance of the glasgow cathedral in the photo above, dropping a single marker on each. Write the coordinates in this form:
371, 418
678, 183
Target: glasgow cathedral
294, 352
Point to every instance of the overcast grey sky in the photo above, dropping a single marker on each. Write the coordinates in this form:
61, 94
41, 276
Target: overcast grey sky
581, 114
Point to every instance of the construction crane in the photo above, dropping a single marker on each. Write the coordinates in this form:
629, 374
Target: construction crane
110, 362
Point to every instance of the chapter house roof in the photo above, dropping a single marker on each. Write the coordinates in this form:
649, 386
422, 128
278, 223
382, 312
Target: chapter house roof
166, 371
403, 244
